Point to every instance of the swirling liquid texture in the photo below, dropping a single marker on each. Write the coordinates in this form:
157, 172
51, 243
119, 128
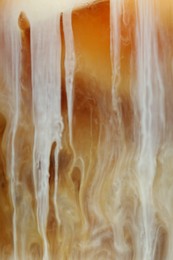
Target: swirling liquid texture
86, 130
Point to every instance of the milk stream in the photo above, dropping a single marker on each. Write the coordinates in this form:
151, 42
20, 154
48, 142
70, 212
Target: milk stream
11, 37
152, 118
46, 84
124, 171
69, 66
115, 13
